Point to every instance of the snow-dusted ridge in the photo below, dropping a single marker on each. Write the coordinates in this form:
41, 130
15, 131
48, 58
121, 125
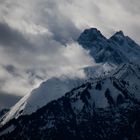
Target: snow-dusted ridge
47, 91
53, 89
106, 94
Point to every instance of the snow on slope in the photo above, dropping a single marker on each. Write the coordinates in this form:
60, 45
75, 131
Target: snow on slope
109, 91
130, 73
47, 91
124, 83
99, 70
52, 89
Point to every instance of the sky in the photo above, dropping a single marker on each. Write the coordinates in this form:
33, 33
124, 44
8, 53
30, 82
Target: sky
38, 38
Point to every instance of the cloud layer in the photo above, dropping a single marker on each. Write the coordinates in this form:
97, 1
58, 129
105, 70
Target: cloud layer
37, 37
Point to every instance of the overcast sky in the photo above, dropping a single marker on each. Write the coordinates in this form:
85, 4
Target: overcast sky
37, 38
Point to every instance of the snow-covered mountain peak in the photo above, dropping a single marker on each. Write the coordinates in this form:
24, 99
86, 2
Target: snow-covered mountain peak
119, 34
117, 50
123, 40
119, 38
90, 36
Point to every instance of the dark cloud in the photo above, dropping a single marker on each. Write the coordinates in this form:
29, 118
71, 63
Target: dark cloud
60, 25
12, 39
12, 70
64, 31
8, 100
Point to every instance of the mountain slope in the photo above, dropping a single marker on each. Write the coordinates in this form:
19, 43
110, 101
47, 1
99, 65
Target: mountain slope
102, 108
52, 89
47, 91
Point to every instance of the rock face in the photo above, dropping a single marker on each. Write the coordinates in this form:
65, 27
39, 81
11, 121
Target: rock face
102, 107
116, 50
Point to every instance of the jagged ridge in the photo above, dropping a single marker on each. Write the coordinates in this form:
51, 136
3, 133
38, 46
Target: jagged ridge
117, 49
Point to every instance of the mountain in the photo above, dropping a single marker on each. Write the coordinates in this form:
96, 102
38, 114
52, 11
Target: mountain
103, 104
117, 49
102, 108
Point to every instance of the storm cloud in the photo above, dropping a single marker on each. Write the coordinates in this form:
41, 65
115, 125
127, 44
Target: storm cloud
11, 38
38, 37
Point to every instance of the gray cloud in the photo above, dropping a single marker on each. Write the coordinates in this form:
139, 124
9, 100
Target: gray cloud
131, 6
12, 38
11, 70
61, 26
